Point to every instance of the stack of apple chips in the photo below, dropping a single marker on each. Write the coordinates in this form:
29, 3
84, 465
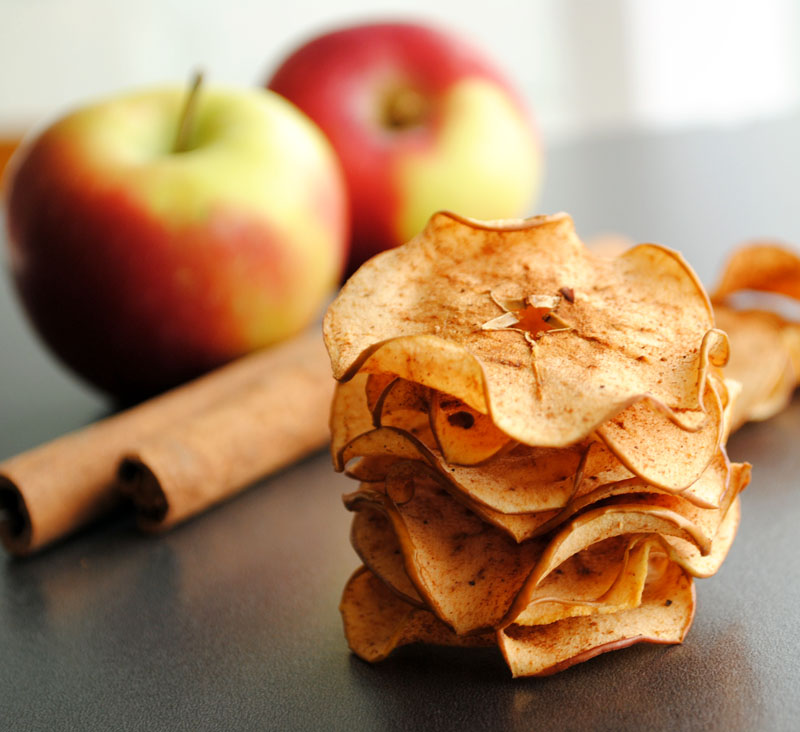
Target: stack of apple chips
765, 353
539, 437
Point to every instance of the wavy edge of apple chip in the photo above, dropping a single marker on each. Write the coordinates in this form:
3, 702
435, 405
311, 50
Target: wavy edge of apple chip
415, 351
762, 267
367, 606
769, 268
664, 616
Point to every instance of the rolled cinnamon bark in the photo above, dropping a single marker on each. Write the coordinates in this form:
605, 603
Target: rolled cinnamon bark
54, 489
275, 420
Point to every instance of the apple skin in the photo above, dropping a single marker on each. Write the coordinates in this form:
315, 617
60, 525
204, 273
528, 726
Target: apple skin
421, 122
142, 268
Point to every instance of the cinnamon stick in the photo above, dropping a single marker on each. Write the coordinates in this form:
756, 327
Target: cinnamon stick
275, 420
52, 490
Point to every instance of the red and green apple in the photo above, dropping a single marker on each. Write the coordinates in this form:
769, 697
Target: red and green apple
143, 263
421, 121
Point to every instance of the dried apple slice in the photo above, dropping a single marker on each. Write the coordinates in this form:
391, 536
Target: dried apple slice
636, 325
602, 467
688, 556
518, 526
604, 578
766, 356
376, 621
761, 361
350, 416
664, 616
466, 571
370, 468
521, 480
399, 397
657, 450
764, 267
376, 544
385, 441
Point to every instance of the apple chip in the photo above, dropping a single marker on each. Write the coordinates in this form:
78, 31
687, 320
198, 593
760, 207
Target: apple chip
664, 616
765, 346
376, 544
530, 490
350, 415
371, 468
602, 467
657, 450
761, 361
761, 267
688, 556
604, 578
628, 329
467, 572
376, 621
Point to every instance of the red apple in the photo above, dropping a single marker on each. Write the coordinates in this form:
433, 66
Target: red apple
142, 266
421, 121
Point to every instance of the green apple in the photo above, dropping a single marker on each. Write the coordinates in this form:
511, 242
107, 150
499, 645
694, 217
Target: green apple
143, 262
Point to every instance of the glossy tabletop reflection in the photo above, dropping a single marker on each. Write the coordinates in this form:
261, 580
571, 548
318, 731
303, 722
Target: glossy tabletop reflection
231, 621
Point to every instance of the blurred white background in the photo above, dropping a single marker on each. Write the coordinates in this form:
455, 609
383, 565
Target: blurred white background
585, 66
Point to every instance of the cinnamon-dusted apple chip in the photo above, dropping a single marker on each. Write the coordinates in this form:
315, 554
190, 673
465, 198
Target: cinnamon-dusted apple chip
664, 616
640, 436
763, 267
604, 578
632, 328
376, 544
688, 555
761, 361
350, 415
659, 451
376, 387
376, 621
765, 356
715, 482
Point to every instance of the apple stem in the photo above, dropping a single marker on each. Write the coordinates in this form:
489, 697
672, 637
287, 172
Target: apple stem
187, 115
405, 107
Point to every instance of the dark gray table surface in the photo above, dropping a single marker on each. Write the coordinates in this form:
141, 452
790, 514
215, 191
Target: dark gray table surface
231, 622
